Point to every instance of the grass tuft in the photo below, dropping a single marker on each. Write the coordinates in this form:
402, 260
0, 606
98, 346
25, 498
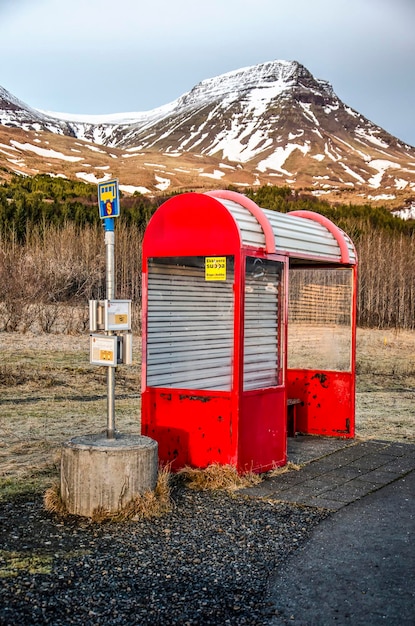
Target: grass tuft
151, 503
277, 471
218, 477
52, 500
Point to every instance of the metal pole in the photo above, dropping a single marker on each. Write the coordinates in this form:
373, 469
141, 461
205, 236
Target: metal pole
110, 292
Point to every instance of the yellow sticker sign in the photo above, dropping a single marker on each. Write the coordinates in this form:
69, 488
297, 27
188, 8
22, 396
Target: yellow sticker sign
215, 268
121, 318
106, 355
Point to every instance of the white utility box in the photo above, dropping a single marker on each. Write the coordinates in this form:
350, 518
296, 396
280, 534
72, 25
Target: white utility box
117, 314
105, 350
112, 315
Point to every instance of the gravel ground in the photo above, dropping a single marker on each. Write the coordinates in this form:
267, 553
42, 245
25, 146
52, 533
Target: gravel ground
206, 562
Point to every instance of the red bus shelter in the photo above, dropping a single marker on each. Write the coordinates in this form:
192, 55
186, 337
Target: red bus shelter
246, 312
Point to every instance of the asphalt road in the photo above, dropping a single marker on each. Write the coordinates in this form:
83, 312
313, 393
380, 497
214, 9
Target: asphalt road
358, 567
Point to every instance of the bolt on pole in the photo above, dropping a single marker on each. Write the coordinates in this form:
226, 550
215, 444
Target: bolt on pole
110, 293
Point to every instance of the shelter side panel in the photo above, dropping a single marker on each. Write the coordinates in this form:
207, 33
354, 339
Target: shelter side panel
327, 402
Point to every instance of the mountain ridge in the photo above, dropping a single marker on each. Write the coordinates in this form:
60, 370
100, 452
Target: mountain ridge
272, 123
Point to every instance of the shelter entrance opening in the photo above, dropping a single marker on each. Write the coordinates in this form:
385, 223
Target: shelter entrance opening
321, 348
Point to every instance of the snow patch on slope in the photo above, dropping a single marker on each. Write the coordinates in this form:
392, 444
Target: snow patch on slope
277, 159
45, 152
381, 166
91, 178
370, 135
406, 214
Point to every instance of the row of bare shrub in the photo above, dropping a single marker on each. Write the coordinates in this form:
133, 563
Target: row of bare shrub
386, 295
45, 283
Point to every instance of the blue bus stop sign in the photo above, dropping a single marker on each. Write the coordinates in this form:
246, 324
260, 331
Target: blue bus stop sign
108, 199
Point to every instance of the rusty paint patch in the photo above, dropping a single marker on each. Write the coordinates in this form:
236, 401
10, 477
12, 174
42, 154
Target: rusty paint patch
195, 398
322, 378
347, 429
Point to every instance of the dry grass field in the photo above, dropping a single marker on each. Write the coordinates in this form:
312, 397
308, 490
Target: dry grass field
50, 393
385, 389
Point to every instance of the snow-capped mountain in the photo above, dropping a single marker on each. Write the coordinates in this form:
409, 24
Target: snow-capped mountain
269, 123
17, 114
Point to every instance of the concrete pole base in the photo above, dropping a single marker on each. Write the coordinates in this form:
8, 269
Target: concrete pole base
101, 474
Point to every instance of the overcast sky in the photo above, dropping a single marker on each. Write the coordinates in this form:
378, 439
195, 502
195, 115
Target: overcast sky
113, 56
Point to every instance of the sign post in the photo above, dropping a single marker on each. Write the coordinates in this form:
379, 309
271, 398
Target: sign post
109, 207
108, 473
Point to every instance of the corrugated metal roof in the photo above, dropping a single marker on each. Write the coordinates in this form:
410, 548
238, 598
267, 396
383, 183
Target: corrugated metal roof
302, 237
310, 236
251, 230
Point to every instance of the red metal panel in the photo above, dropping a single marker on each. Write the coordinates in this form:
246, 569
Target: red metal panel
191, 224
144, 312
353, 329
193, 428
262, 430
239, 288
327, 401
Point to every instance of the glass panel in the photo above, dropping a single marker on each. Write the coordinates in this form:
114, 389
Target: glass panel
320, 318
190, 322
262, 324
